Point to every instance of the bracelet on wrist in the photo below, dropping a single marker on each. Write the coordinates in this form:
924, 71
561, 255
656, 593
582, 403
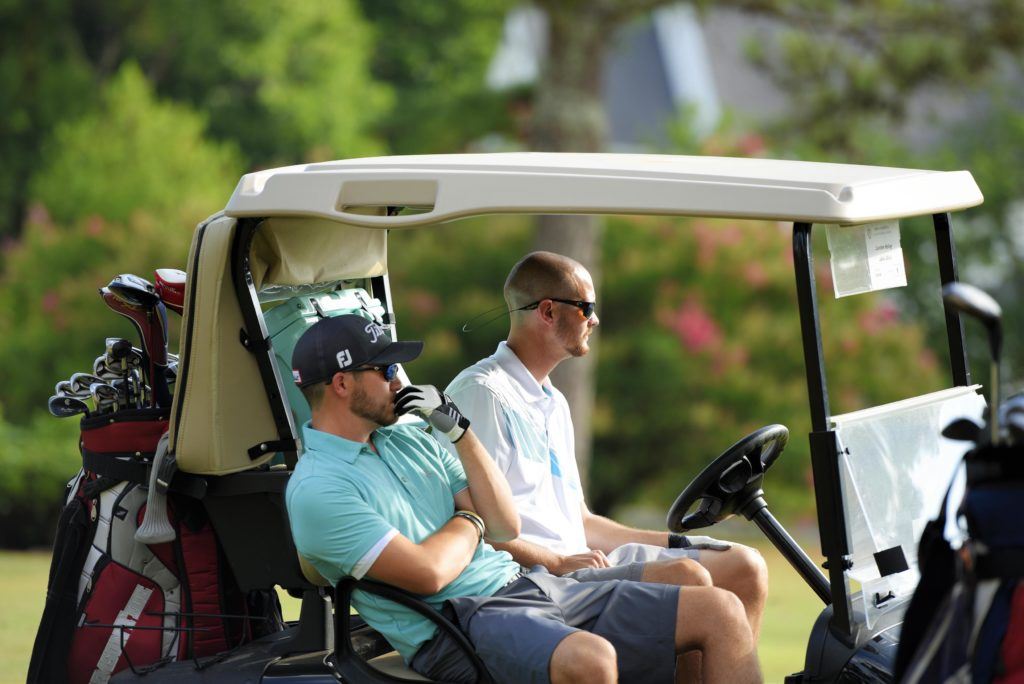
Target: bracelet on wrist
477, 521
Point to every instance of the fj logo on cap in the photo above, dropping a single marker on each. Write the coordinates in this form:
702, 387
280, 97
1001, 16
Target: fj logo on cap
344, 358
374, 331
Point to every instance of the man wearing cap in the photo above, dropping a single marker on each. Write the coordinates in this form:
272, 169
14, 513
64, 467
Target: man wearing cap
374, 498
524, 423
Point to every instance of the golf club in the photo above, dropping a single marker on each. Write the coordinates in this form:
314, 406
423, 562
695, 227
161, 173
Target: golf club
80, 383
62, 388
967, 299
65, 407
170, 285
104, 396
117, 351
144, 316
135, 290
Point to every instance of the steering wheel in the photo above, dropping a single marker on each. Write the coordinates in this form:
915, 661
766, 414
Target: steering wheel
729, 482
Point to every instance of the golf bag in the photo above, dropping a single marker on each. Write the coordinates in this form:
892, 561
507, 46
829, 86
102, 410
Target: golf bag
114, 603
965, 622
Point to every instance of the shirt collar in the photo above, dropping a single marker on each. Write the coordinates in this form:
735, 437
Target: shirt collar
510, 363
346, 449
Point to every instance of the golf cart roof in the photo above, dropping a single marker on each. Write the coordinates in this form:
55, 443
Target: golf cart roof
445, 187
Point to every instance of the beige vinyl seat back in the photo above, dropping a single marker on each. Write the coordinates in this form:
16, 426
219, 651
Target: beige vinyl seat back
222, 410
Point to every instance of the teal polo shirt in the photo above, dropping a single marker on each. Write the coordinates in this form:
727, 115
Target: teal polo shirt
345, 503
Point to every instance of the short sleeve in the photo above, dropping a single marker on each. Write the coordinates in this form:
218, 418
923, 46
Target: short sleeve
453, 468
333, 526
487, 420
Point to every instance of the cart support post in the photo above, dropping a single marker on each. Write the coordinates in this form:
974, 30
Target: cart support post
954, 324
824, 447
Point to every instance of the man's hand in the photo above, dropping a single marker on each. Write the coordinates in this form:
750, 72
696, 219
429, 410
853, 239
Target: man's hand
589, 559
436, 407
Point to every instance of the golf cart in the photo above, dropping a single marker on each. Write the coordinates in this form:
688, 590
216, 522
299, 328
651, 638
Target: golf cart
298, 243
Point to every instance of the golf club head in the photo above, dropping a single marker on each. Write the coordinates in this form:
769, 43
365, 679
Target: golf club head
104, 395
134, 289
65, 407
80, 383
62, 388
117, 348
974, 302
138, 315
170, 286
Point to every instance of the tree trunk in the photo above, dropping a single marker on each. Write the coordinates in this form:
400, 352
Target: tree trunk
569, 116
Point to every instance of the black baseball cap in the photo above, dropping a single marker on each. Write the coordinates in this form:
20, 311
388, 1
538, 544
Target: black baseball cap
346, 342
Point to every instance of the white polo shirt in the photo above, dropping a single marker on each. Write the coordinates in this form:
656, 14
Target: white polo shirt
527, 429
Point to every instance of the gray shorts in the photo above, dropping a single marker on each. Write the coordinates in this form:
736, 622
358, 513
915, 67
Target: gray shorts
516, 630
627, 561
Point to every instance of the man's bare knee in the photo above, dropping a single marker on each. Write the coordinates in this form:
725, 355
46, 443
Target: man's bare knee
584, 657
708, 614
683, 572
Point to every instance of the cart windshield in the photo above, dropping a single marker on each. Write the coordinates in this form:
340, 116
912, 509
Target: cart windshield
895, 468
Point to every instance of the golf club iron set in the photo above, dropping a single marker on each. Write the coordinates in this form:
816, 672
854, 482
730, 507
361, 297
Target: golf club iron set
125, 376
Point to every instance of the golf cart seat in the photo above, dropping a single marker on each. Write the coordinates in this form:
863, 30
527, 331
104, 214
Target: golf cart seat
388, 667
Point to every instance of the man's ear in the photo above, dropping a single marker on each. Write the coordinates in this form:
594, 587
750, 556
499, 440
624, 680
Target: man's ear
340, 385
546, 309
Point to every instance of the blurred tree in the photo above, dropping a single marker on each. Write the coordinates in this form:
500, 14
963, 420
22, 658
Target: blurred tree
876, 56
849, 66
286, 81
44, 78
435, 56
127, 184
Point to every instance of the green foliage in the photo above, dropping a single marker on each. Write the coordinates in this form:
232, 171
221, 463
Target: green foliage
846, 66
37, 460
133, 154
435, 55
700, 344
129, 183
44, 78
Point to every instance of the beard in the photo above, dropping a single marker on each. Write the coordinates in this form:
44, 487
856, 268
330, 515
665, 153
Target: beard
574, 341
381, 412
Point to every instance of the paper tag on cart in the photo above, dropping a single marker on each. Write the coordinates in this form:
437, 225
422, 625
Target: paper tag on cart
866, 258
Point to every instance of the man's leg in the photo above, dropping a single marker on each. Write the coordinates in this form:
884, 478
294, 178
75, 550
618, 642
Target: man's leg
583, 657
714, 621
739, 569
742, 571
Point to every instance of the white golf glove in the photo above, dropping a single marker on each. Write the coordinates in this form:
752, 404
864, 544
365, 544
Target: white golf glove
436, 407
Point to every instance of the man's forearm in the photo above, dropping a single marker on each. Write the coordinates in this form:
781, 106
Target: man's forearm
489, 489
528, 554
431, 565
607, 535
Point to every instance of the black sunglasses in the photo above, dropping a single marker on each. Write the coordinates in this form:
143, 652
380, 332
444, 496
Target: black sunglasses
389, 371
587, 308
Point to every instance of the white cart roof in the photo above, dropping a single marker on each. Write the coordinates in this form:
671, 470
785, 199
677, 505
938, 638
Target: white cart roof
444, 187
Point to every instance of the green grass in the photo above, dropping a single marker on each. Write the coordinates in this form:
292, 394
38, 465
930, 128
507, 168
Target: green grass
22, 595
792, 608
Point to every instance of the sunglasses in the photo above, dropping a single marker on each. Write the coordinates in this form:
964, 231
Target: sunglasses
389, 371
588, 308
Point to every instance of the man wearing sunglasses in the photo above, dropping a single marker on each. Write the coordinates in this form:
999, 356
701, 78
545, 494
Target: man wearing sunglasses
524, 423
372, 497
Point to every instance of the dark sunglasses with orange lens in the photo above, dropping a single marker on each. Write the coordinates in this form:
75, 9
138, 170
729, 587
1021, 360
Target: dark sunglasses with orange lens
588, 308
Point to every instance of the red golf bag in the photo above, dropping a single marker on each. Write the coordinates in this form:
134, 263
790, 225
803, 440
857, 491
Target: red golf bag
115, 603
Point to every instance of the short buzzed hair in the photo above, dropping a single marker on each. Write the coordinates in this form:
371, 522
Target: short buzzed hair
314, 394
541, 275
